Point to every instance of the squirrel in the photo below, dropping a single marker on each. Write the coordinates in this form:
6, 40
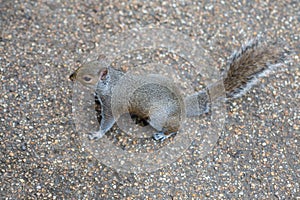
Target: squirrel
157, 99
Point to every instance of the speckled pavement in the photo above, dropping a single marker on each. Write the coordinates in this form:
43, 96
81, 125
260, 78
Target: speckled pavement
43, 42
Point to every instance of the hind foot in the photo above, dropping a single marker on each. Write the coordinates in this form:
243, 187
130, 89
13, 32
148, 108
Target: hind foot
161, 136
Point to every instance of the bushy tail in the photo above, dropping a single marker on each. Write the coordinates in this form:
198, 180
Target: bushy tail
253, 60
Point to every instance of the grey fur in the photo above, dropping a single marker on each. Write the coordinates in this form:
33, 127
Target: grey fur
158, 100
253, 60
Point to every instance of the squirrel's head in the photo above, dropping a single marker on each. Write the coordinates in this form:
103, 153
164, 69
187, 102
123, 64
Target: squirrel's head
90, 73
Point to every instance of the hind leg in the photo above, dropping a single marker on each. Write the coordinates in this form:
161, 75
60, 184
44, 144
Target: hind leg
165, 124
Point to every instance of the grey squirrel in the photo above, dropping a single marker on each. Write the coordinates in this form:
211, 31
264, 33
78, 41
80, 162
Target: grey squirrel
159, 101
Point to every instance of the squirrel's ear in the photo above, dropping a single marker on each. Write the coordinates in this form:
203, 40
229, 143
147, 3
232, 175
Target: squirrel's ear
103, 73
73, 76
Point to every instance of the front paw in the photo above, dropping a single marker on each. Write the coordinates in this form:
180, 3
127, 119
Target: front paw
95, 135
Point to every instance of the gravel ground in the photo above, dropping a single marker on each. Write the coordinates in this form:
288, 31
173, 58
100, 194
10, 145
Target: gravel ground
41, 44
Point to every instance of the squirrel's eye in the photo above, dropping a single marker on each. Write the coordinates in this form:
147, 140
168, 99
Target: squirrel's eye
87, 78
